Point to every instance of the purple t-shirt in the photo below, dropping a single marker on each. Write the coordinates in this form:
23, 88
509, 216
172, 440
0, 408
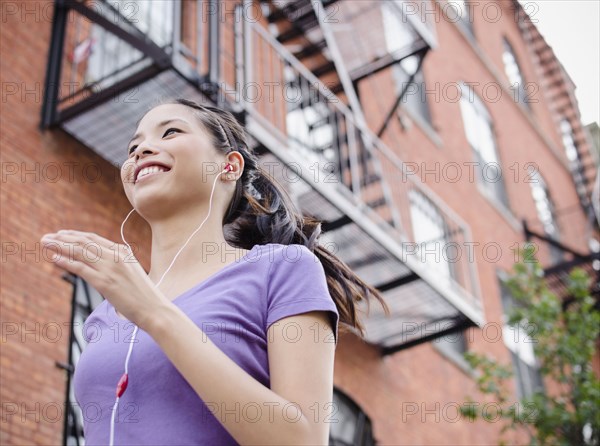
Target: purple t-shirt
234, 307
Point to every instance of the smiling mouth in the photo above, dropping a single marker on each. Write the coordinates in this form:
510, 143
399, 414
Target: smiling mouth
152, 172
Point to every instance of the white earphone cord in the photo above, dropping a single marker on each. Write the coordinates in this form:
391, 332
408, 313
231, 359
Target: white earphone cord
112, 420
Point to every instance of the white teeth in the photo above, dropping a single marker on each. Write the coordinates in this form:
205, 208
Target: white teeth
148, 170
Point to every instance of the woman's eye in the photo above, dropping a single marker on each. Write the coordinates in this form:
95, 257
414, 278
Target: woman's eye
132, 148
168, 130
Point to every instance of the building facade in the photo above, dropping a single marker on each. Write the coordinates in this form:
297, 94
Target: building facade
431, 138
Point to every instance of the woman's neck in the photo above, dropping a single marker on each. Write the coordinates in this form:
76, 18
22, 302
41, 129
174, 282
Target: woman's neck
206, 249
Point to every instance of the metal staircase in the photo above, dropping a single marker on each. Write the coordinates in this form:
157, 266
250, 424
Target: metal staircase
378, 218
558, 92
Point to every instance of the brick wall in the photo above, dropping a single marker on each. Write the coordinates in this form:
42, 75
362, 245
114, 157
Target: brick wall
49, 182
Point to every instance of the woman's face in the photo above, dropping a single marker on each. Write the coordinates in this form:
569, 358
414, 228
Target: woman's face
183, 148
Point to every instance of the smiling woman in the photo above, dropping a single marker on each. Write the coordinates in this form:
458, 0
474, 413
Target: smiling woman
228, 352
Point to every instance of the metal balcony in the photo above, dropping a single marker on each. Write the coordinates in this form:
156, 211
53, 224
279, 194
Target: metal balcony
299, 28
384, 223
557, 273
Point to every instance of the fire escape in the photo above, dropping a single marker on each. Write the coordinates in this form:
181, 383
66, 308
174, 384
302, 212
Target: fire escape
559, 91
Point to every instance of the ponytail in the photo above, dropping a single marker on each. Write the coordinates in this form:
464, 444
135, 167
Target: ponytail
262, 212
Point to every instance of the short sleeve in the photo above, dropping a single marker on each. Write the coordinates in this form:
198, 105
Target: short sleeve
297, 284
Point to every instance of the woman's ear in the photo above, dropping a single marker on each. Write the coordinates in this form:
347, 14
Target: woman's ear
236, 162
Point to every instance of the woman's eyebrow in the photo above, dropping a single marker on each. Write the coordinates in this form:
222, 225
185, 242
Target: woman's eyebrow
168, 121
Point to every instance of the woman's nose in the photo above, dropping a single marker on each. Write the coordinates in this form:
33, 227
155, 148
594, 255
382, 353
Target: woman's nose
142, 150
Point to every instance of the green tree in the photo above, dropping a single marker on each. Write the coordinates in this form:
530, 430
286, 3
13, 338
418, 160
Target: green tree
564, 343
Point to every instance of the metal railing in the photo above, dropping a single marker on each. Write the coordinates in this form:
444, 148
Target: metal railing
302, 113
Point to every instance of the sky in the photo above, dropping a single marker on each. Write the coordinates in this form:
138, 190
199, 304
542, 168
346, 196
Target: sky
570, 27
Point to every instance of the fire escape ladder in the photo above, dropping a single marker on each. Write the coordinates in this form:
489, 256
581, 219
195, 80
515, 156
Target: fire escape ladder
365, 142
582, 162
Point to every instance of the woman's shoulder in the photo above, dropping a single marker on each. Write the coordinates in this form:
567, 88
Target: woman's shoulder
289, 260
283, 247
294, 252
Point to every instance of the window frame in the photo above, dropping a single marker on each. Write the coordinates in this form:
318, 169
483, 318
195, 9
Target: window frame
449, 270
557, 255
363, 432
518, 89
416, 104
495, 190
527, 371
572, 153
83, 302
465, 20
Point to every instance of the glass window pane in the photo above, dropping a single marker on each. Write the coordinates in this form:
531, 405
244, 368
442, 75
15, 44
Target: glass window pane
429, 231
86, 300
479, 134
568, 141
462, 16
344, 421
398, 33
344, 428
521, 347
543, 204
513, 73
455, 343
486, 141
511, 66
471, 122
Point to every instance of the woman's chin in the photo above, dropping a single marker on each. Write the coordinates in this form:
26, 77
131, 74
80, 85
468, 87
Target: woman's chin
151, 203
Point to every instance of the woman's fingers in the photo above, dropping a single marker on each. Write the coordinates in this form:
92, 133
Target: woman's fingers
92, 245
69, 252
93, 260
79, 268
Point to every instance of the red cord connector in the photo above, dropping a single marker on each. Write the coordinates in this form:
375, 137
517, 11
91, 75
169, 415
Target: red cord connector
122, 385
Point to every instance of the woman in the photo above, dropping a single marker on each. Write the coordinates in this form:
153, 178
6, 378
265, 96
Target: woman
228, 351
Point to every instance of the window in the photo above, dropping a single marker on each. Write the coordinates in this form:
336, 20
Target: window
349, 426
430, 233
567, 137
520, 344
454, 345
84, 300
513, 72
546, 213
308, 127
414, 98
113, 57
310, 122
575, 164
478, 129
400, 36
462, 16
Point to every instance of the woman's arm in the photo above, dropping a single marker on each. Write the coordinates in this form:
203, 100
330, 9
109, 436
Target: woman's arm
296, 409
301, 367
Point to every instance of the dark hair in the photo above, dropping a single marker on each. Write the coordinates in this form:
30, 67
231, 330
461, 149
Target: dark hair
262, 212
